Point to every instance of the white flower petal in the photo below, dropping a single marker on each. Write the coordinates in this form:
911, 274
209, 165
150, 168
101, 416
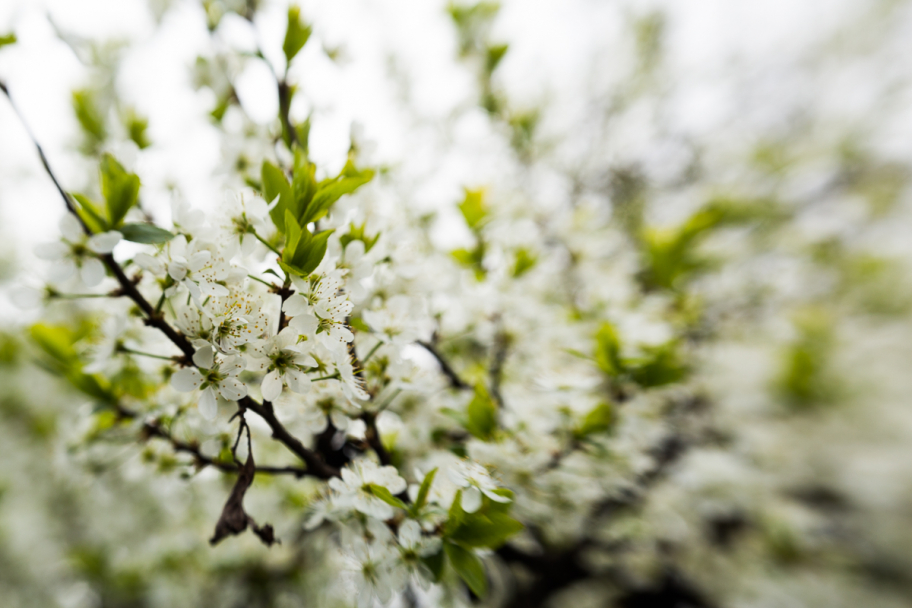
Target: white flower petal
71, 228
51, 251
208, 405
471, 499
204, 357
92, 272
271, 386
186, 380
232, 389
104, 242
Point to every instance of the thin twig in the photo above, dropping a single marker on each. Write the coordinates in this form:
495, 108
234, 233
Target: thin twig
455, 381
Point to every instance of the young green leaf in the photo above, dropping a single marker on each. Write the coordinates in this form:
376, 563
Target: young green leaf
598, 420
473, 208
421, 499
348, 181
608, 350
481, 415
120, 189
7, 39
275, 184
469, 568
296, 35
490, 530
386, 496
90, 213
435, 564
145, 233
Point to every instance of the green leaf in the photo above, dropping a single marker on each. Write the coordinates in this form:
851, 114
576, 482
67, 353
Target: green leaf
120, 189
386, 496
660, 366
145, 233
524, 262
293, 234
490, 531
136, 128
473, 208
90, 213
608, 350
348, 181
304, 186
435, 564
494, 55
296, 35
469, 568
455, 516
598, 420
90, 119
481, 415
275, 184
421, 499
7, 39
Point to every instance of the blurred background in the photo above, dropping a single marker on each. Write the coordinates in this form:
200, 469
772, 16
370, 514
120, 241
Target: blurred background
650, 104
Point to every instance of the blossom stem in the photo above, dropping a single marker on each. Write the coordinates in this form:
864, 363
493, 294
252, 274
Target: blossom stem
371, 353
388, 401
329, 377
124, 349
265, 242
77, 296
161, 302
266, 283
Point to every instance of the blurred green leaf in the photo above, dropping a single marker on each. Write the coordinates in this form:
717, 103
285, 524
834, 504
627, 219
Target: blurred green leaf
296, 34
145, 233
481, 415
469, 568
120, 189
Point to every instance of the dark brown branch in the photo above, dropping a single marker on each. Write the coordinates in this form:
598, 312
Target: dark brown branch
455, 381
315, 465
152, 429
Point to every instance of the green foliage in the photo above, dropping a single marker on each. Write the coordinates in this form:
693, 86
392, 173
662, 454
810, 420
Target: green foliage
423, 491
136, 128
303, 250
494, 54
276, 184
61, 359
472, 24
657, 366
481, 415
6, 39
598, 420
489, 527
469, 568
386, 496
525, 261
86, 107
306, 199
608, 350
522, 131
120, 190
296, 35
145, 233
670, 255
804, 380
474, 209
357, 233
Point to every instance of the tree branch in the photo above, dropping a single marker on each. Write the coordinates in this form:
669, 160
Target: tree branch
455, 381
315, 465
